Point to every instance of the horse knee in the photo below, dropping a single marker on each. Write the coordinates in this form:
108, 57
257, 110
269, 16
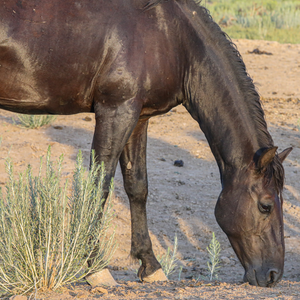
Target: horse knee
137, 191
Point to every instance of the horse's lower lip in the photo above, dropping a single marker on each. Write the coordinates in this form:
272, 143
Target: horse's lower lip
252, 280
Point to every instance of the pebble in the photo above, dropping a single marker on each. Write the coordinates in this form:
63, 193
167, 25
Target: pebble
225, 260
99, 290
88, 119
178, 163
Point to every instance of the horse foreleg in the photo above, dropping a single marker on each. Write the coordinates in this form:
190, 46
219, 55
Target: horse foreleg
113, 128
133, 165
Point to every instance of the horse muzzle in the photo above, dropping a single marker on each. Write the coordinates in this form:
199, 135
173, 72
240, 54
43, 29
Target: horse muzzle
263, 279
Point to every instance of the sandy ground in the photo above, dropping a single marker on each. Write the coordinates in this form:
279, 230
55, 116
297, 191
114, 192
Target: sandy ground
181, 200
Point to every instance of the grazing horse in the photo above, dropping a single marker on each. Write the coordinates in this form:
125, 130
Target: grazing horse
127, 61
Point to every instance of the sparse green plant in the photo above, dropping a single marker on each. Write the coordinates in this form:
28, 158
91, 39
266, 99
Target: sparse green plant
35, 121
48, 232
179, 273
213, 249
264, 19
169, 260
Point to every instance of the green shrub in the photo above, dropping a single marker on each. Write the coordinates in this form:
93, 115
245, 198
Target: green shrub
35, 121
48, 232
168, 261
213, 249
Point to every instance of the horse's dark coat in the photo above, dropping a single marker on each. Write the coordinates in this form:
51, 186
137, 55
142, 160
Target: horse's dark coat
130, 60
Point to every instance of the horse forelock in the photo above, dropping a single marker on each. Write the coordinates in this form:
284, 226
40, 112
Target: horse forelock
276, 171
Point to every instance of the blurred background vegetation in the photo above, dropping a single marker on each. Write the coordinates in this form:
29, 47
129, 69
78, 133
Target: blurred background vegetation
274, 20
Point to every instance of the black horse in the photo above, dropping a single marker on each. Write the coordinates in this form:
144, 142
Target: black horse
129, 60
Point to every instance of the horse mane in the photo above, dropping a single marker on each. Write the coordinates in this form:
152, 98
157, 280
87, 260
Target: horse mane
151, 3
252, 98
275, 170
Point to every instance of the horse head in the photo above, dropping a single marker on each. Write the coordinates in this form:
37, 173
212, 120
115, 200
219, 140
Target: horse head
249, 210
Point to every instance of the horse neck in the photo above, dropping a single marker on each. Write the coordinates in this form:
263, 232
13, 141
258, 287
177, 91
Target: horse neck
221, 97
232, 132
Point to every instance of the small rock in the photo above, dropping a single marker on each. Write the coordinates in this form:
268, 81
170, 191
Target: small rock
184, 270
225, 260
88, 119
99, 290
178, 163
58, 127
82, 295
18, 297
131, 283
260, 52
179, 182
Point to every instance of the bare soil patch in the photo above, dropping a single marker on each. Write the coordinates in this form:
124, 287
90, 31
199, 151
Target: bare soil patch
181, 199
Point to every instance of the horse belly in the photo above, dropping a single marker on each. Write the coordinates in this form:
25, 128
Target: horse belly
48, 64
17, 86
27, 88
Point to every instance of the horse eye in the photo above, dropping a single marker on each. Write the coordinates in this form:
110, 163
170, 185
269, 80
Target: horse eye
265, 208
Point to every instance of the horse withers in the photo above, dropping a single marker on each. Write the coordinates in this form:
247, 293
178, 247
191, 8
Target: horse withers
127, 61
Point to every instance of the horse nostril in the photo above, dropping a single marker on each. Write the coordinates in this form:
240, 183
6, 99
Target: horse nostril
272, 276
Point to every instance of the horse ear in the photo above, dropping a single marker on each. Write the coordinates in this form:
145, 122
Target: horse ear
282, 156
266, 158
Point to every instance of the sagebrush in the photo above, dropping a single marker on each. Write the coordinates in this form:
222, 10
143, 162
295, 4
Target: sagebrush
169, 260
213, 249
48, 231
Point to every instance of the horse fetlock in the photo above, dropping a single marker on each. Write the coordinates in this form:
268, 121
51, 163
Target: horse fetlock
149, 266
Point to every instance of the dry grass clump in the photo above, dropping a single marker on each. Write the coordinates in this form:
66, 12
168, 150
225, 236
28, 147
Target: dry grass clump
48, 231
35, 121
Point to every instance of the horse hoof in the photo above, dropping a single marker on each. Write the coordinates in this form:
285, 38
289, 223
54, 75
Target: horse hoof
101, 278
158, 275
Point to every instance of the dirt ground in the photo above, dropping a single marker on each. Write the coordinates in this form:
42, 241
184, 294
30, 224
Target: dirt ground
181, 200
